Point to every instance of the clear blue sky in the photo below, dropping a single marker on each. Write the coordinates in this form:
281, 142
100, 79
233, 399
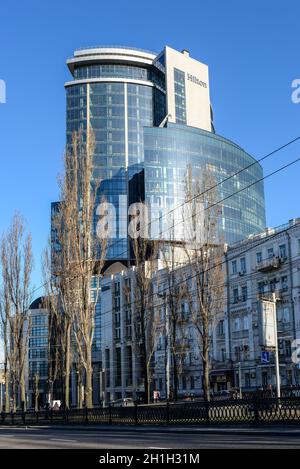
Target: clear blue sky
251, 47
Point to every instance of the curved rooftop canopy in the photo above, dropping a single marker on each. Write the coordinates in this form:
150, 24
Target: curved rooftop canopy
111, 54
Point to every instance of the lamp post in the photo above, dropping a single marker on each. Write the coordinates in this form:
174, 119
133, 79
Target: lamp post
101, 390
277, 366
269, 332
167, 346
240, 381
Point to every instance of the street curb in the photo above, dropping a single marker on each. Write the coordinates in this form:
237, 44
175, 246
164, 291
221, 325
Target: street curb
160, 429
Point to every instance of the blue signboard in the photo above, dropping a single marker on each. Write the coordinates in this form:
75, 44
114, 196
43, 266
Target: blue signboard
265, 357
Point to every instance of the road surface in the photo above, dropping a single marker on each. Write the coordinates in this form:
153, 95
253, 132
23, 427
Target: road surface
54, 438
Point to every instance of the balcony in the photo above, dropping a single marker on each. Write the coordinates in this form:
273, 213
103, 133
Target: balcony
268, 265
239, 299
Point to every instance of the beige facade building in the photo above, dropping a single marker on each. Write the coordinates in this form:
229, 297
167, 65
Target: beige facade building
254, 268
187, 90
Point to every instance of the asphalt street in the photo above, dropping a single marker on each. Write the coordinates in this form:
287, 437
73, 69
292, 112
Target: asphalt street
53, 438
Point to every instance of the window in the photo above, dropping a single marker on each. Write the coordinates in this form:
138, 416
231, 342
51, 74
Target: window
117, 319
244, 293
223, 355
298, 245
288, 348
184, 310
270, 253
282, 251
117, 303
192, 382
237, 326
258, 257
234, 267
284, 283
220, 327
235, 295
128, 316
286, 314
246, 323
128, 332
94, 295
180, 100
243, 264
273, 284
264, 378
261, 287
117, 334
237, 353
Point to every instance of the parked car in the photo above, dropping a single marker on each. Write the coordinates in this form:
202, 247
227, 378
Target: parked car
224, 394
124, 402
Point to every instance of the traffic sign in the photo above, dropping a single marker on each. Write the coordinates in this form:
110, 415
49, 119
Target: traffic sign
265, 356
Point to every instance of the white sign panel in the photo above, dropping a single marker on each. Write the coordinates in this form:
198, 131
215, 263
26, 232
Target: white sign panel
268, 323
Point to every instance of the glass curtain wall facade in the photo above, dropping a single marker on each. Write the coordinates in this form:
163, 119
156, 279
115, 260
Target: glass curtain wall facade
38, 354
116, 113
169, 152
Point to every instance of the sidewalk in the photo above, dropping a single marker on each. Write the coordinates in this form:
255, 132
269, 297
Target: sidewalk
269, 430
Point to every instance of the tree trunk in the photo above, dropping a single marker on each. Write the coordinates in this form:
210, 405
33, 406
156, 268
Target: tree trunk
23, 390
144, 371
144, 366
175, 377
148, 386
14, 395
206, 382
79, 388
7, 402
89, 381
67, 368
175, 368
36, 393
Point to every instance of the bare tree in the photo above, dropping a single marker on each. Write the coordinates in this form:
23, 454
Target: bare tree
145, 255
36, 380
56, 350
205, 278
152, 335
16, 266
5, 312
79, 257
173, 297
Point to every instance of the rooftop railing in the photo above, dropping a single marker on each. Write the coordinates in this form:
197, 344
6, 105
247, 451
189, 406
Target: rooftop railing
137, 49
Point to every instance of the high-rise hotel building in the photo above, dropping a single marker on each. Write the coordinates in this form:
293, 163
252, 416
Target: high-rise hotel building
152, 120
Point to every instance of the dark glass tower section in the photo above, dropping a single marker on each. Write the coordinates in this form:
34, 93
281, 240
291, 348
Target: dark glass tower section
116, 101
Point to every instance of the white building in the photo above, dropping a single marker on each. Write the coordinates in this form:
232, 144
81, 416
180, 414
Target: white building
259, 266
255, 267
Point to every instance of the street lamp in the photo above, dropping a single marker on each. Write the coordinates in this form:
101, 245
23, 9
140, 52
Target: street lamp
269, 333
167, 346
240, 380
101, 390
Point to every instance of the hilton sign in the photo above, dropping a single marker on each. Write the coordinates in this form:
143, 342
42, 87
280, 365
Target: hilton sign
196, 80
